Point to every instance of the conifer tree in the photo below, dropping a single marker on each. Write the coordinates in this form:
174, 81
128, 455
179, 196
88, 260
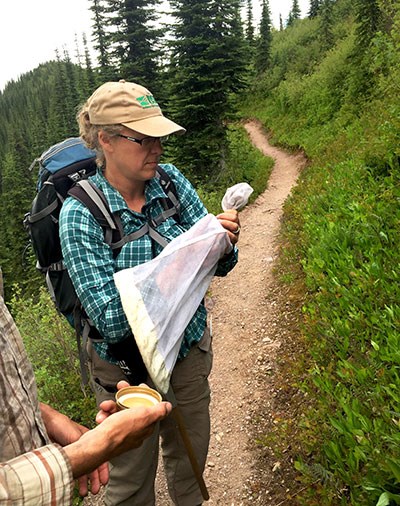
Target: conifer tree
369, 19
135, 41
207, 67
36, 124
326, 26
263, 52
83, 69
90, 73
294, 13
64, 101
249, 23
314, 8
280, 22
102, 39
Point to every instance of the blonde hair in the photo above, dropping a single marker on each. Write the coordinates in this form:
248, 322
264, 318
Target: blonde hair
89, 133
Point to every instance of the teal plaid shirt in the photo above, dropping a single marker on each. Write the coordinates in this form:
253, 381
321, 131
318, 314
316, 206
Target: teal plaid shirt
90, 261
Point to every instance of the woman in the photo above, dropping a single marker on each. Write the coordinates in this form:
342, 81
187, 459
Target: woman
123, 123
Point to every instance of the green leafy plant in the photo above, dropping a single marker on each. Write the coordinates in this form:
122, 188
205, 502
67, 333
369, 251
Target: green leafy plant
342, 225
51, 346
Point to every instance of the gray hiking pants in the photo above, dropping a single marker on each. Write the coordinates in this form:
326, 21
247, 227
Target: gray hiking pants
132, 474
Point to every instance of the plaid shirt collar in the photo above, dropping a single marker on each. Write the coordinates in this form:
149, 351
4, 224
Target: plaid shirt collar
153, 191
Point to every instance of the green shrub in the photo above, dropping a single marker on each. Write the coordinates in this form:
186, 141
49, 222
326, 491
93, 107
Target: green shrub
351, 225
343, 224
244, 163
51, 346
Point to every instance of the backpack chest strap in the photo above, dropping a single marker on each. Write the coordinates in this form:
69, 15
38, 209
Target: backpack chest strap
167, 213
94, 199
148, 229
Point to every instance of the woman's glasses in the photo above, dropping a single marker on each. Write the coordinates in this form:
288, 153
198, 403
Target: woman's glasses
146, 142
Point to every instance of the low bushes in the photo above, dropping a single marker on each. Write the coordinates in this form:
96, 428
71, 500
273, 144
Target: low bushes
51, 346
342, 223
350, 226
244, 163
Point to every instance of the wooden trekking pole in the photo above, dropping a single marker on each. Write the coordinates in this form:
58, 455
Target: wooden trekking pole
176, 413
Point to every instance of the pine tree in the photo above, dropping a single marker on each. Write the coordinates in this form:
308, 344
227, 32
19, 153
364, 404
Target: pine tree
207, 67
134, 41
369, 19
326, 23
64, 101
84, 88
294, 13
280, 22
263, 53
314, 8
102, 39
249, 23
90, 73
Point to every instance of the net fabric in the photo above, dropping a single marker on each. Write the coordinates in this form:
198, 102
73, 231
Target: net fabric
237, 196
161, 296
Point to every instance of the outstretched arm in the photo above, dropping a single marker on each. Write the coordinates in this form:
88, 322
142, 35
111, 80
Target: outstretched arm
117, 434
45, 475
64, 431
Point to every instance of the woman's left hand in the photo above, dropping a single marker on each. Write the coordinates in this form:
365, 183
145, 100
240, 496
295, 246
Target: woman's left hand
230, 221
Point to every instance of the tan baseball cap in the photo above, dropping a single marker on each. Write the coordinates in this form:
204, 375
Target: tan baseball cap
131, 105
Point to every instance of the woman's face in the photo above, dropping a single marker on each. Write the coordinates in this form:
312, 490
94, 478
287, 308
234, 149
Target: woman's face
131, 155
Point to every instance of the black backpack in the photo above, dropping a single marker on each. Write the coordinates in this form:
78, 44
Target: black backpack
64, 170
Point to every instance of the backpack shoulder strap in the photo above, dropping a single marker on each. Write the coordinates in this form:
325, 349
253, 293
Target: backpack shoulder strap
90, 195
93, 198
114, 236
171, 204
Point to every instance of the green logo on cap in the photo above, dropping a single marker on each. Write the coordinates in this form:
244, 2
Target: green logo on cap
147, 101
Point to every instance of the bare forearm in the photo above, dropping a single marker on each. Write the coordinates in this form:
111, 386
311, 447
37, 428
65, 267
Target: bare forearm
117, 434
85, 454
89, 452
53, 420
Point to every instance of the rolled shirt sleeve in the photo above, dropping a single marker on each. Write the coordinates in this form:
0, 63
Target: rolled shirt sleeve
40, 477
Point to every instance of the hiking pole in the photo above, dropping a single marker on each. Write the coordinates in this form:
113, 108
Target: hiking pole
177, 414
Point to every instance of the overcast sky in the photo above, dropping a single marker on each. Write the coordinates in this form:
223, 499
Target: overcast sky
32, 30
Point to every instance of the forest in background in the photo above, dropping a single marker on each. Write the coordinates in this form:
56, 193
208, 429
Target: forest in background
327, 84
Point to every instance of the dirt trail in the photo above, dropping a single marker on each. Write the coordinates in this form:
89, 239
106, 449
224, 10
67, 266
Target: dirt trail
246, 337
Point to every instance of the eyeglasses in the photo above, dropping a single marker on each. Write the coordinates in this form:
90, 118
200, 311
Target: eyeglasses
146, 142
